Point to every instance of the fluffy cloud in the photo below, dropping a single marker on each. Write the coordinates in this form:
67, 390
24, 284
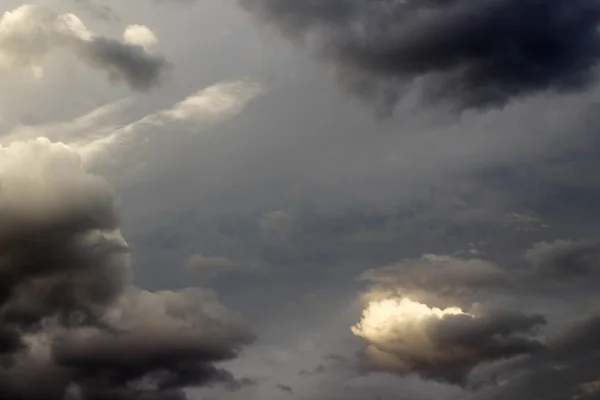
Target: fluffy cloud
140, 35
30, 32
71, 324
60, 244
473, 52
406, 337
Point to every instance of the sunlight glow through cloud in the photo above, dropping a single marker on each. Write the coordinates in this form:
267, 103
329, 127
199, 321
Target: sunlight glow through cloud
384, 318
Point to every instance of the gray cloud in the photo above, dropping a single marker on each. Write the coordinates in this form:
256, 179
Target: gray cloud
473, 52
71, 324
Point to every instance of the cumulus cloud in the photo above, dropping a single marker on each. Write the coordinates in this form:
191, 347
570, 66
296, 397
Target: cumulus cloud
29, 33
207, 265
474, 53
140, 35
407, 337
71, 323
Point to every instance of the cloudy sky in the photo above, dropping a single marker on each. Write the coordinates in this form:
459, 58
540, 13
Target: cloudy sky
299, 199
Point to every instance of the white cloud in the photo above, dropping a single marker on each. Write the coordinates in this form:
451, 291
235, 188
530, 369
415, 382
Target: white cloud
401, 320
140, 35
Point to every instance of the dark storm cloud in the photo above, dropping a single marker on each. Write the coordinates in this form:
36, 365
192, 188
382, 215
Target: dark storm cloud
472, 51
71, 324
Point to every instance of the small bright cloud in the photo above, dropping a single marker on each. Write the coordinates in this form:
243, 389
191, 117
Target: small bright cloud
140, 35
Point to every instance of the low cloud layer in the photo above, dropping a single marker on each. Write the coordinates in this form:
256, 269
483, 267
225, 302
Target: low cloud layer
29, 33
474, 53
71, 323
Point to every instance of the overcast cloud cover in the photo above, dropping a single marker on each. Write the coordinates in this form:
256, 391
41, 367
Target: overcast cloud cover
277, 199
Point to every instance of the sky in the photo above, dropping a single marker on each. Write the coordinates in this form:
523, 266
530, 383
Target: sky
299, 199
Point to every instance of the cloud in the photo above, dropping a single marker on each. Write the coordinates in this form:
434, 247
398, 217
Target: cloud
29, 33
407, 337
71, 323
140, 35
496, 344
99, 139
204, 265
197, 112
474, 53
59, 240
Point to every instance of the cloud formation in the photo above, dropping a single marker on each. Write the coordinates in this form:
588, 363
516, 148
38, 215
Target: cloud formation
71, 323
29, 33
474, 53
406, 337
495, 344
